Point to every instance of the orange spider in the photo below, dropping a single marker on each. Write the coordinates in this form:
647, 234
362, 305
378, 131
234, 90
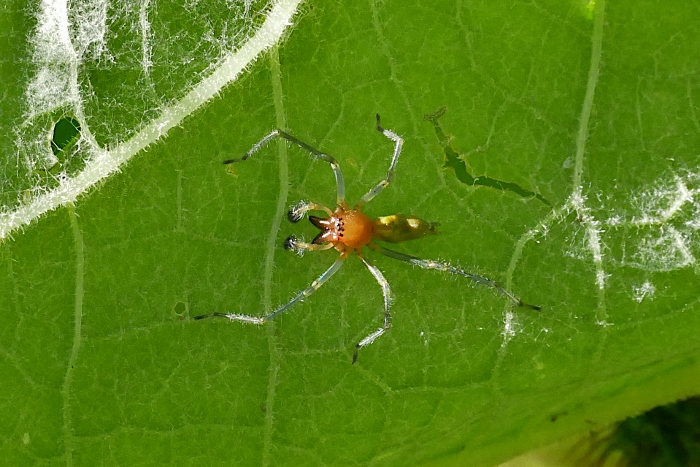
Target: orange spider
349, 230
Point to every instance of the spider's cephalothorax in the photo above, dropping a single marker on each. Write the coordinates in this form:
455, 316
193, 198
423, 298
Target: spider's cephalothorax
347, 229
350, 230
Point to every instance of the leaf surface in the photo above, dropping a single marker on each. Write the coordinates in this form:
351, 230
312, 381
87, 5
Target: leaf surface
564, 166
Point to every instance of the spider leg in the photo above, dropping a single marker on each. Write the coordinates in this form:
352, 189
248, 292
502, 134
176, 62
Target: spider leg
315, 285
441, 266
392, 168
340, 183
386, 291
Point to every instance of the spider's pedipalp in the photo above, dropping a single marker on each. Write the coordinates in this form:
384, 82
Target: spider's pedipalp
290, 243
299, 246
294, 216
442, 266
299, 210
392, 167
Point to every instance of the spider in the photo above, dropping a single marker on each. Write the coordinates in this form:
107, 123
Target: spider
349, 230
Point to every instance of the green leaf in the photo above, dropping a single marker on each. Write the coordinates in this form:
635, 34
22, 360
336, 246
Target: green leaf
564, 166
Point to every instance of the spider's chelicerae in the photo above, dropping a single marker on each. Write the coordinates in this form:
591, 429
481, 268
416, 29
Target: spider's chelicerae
349, 230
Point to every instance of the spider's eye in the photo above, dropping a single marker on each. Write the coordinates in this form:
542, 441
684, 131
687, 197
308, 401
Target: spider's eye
290, 242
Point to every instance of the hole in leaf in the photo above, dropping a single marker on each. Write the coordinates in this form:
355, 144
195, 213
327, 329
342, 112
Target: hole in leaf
66, 132
180, 309
456, 162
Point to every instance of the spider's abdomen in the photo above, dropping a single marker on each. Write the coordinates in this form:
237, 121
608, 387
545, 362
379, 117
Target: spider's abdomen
354, 228
399, 228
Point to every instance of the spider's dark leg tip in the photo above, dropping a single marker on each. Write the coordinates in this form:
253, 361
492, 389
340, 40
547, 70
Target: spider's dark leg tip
354, 355
289, 242
197, 318
379, 126
531, 307
293, 217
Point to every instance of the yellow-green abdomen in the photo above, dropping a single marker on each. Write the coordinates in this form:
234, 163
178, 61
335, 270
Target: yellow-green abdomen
399, 228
